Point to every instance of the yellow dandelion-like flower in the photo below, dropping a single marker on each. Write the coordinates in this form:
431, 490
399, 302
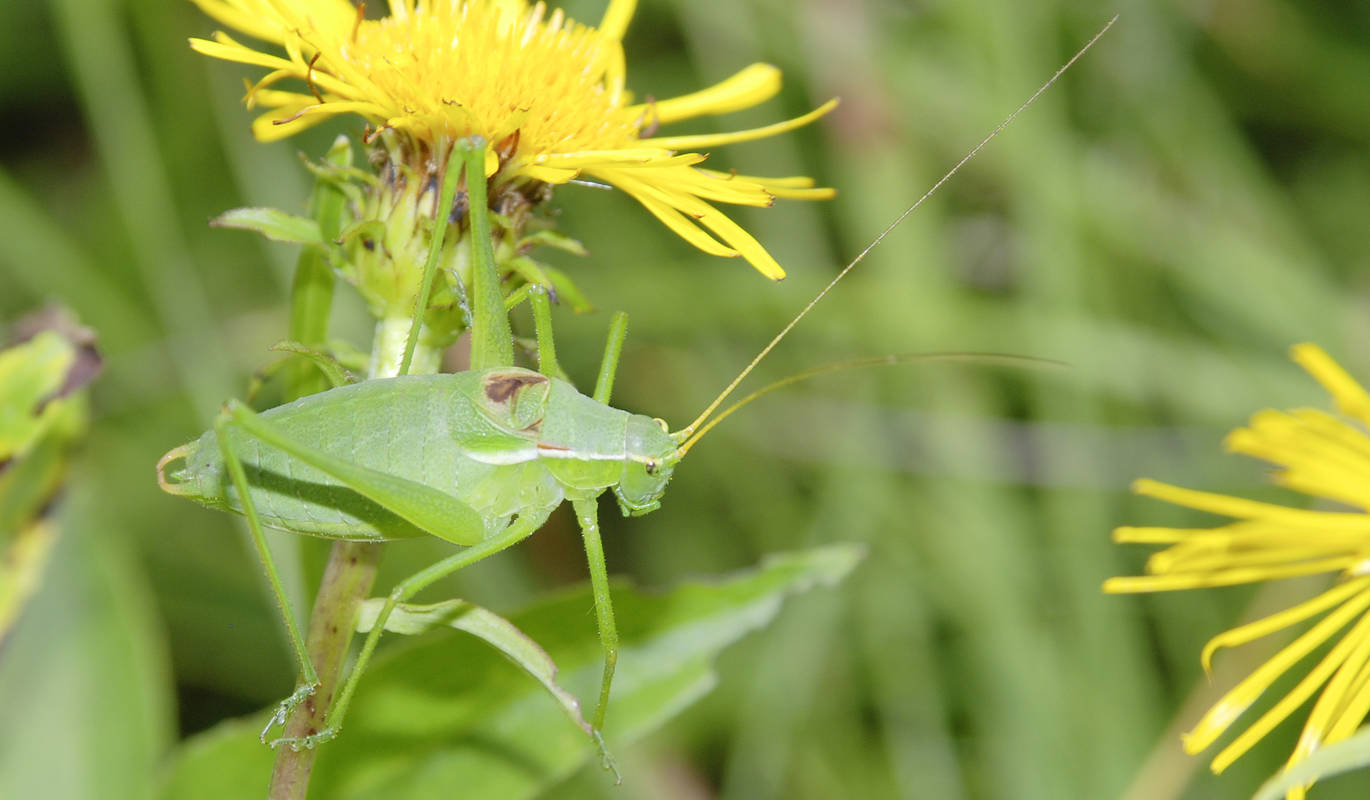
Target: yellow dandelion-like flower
1325, 456
547, 93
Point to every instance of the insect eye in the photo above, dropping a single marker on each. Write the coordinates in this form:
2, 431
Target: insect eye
664, 427
651, 467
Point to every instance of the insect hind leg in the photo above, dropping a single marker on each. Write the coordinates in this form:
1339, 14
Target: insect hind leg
309, 677
521, 528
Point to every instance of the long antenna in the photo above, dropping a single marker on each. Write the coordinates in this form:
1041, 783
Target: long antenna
687, 433
874, 361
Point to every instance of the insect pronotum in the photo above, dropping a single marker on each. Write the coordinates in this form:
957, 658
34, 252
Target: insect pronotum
478, 458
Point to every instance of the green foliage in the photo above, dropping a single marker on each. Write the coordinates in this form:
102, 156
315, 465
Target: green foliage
422, 726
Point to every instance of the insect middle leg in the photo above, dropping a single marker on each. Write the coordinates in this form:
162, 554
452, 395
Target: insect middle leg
587, 514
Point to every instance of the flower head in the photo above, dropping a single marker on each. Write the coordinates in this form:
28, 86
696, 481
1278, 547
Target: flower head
1325, 456
547, 93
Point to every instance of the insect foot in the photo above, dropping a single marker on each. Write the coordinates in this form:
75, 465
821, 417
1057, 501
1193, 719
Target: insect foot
606, 761
283, 711
298, 743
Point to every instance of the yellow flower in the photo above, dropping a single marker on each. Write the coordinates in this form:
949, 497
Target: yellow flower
1325, 456
547, 93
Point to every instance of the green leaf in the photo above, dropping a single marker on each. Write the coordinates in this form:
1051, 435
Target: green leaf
272, 223
486, 625
83, 680
445, 711
1348, 754
29, 374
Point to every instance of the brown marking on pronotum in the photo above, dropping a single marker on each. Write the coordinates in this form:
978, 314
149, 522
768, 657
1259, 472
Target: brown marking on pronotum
558, 448
500, 388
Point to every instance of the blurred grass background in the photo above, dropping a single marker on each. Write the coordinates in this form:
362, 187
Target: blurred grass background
1186, 204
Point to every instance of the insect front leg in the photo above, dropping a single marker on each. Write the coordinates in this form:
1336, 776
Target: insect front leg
608, 366
521, 528
542, 323
309, 678
587, 514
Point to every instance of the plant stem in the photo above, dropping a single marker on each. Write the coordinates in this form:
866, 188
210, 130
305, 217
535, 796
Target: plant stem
346, 582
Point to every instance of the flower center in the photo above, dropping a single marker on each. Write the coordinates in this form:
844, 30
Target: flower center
455, 69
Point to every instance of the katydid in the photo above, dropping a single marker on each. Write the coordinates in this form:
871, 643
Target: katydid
478, 458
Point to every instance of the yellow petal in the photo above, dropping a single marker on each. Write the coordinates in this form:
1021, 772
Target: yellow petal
624, 158
672, 217
1241, 508
229, 50
1131, 584
1333, 701
253, 23
616, 18
1297, 697
1275, 622
714, 139
279, 123
1245, 693
553, 175
719, 223
1127, 534
752, 85
1354, 711
1350, 397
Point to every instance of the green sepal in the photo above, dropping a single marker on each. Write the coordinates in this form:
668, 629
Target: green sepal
530, 270
372, 229
272, 223
333, 371
351, 357
567, 291
554, 240
556, 282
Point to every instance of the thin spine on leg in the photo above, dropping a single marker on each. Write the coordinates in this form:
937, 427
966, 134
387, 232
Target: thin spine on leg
542, 323
608, 366
587, 514
520, 529
239, 476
